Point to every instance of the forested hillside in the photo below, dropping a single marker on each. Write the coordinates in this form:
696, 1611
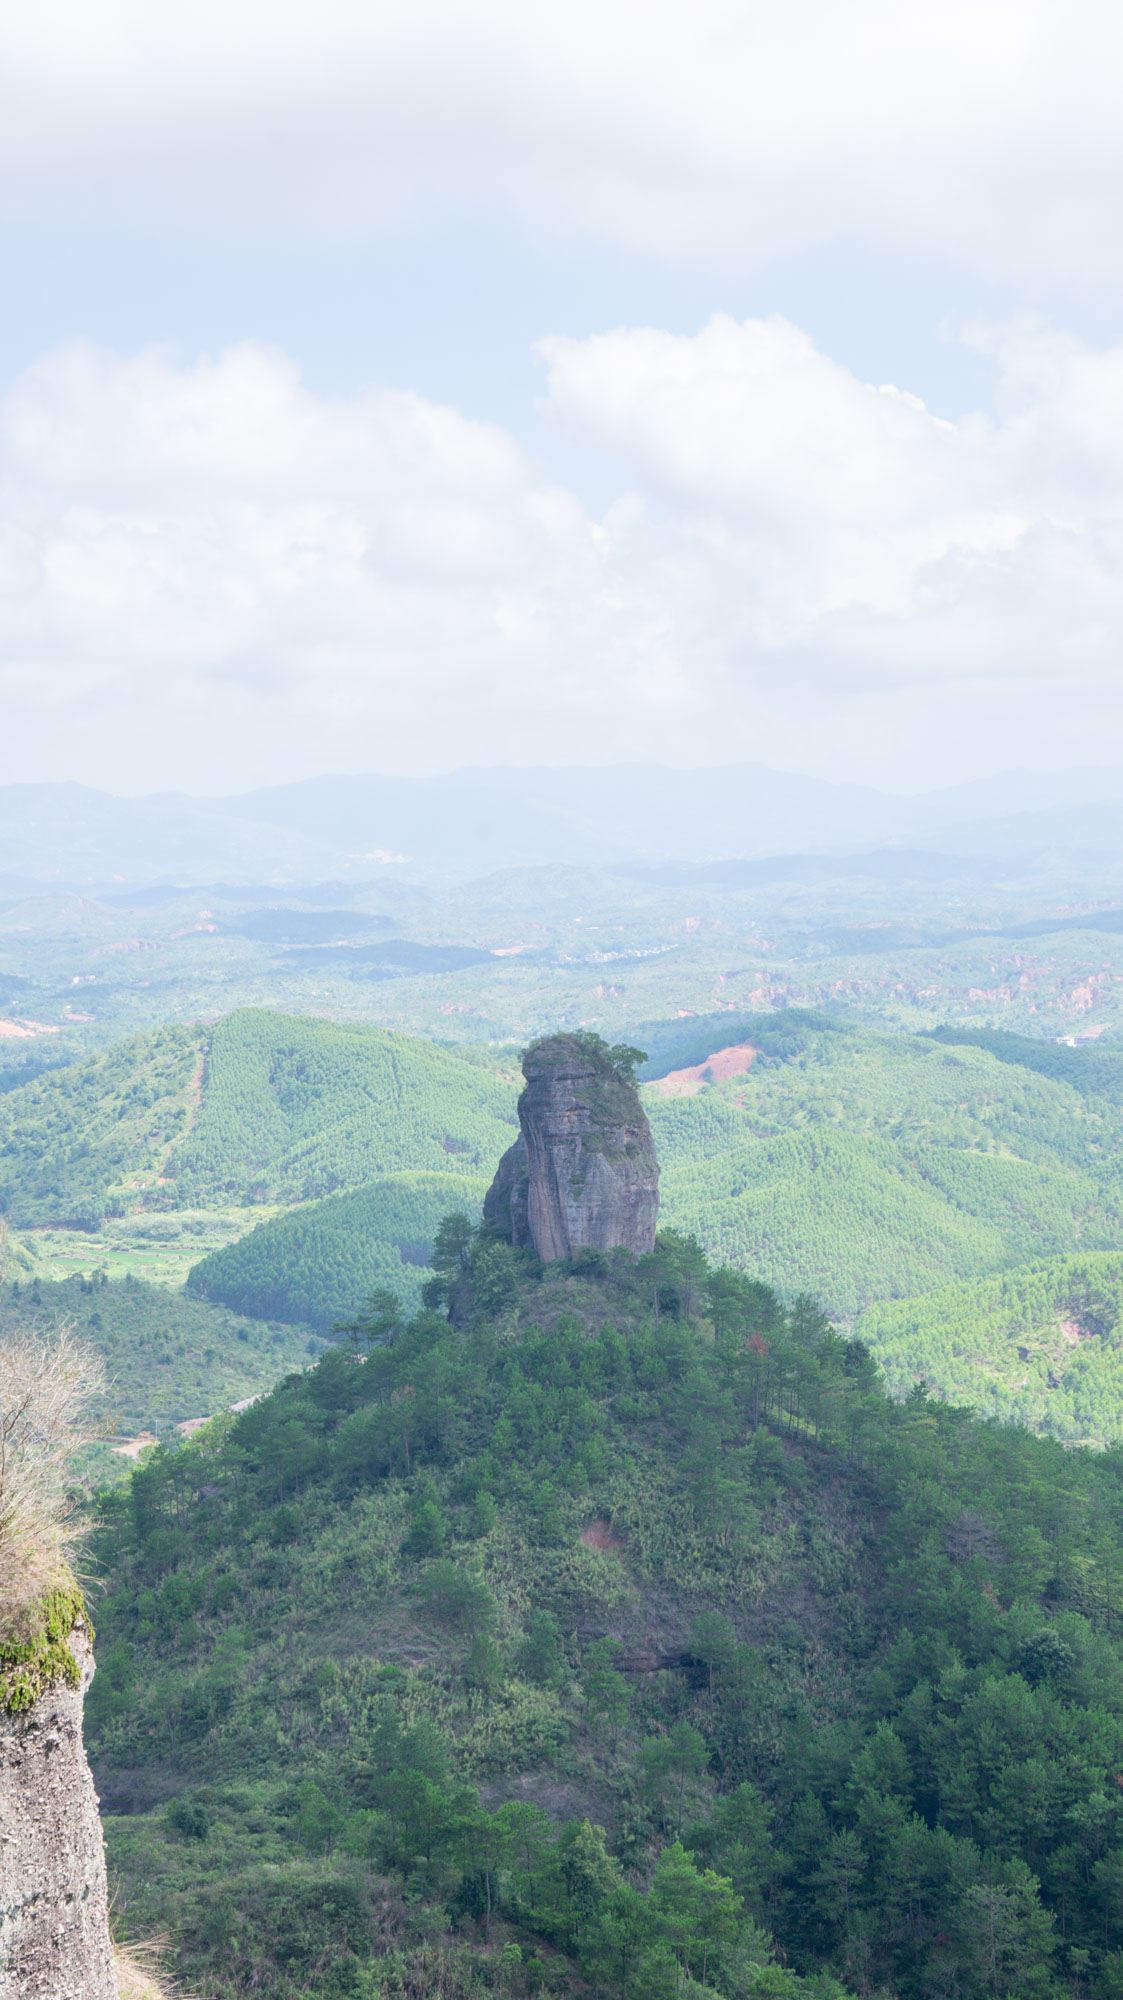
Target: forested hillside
865, 1166
1093, 1071
317, 1265
294, 1109
94, 1138
624, 1638
1039, 1346
259, 1107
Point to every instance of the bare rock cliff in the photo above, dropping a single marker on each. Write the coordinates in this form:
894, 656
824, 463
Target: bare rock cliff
583, 1173
54, 1921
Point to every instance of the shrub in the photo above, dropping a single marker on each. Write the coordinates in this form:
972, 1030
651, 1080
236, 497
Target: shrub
188, 1818
454, 1599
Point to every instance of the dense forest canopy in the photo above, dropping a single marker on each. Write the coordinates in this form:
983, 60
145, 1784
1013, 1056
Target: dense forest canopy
167, 1358
318, 1264
865, 1166
1039, 1345
262, 1107
623, 1636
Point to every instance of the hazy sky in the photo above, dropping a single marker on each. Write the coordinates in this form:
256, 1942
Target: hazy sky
390, 387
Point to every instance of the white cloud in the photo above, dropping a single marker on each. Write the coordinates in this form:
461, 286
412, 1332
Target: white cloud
263, 568
984, 130
211, 576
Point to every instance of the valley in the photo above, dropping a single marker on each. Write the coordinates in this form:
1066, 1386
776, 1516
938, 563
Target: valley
561, 1003
285, 1168
477, 1625
501, 958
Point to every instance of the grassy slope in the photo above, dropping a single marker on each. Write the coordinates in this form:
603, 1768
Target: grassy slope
279, 1663
319, 1264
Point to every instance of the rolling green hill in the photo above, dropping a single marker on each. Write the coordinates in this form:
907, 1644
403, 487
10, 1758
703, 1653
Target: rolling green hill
94, 1138
1094, 1071
1041, 1345
865, 1166
260, 1107
855, 1218
581, 1650
318, 1265
294, 1109
858, 1165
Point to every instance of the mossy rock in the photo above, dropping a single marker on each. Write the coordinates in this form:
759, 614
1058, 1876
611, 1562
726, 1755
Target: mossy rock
44, 1660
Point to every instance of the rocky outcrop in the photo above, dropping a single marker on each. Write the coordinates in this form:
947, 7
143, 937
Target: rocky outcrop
582, 1174
54, 1921
506, 1201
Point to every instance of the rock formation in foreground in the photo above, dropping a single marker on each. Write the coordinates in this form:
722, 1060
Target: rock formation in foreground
54, 1922
583, 1173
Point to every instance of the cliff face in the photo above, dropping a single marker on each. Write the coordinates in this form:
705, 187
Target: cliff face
54, 1920
583, 1173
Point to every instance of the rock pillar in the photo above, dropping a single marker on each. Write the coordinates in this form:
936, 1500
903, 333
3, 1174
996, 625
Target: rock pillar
583, 1173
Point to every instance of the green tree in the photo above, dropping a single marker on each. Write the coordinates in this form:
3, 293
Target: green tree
378, 1322
452, 1245
428, 1529
1009, 1935
316, 1822
606, 1691
540, 1656
669, 1763
623, 1944
713, 1641
588, 1874
455, 1599
483, 1668
696, 1911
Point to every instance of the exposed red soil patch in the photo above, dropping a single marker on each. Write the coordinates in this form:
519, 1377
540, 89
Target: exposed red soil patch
133, 1447
599, 1535
721, 1065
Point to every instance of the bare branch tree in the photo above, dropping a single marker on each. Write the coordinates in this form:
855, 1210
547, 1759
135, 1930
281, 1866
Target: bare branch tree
47, 1385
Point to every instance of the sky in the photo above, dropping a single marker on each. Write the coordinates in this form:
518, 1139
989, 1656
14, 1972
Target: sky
403, 387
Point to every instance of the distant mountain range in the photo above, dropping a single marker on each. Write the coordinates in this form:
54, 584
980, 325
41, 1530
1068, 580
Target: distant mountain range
472, 822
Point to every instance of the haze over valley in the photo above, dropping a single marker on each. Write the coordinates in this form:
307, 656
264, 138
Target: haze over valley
561, 1002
